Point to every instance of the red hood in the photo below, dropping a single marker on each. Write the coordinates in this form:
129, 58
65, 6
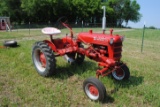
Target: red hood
98, 38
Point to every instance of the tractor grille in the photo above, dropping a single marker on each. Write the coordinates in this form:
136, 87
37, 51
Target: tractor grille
117, 50
118, 44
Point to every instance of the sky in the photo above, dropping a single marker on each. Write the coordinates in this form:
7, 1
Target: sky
150, 10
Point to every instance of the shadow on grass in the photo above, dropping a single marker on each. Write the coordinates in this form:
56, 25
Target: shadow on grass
64, 72
108, 99
132, 82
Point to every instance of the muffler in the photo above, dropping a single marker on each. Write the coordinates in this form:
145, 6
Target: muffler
69, 59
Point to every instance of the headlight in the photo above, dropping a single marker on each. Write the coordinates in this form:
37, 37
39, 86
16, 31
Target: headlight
111, 41
122, 38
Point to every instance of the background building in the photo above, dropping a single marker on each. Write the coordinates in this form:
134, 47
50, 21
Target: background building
4, 23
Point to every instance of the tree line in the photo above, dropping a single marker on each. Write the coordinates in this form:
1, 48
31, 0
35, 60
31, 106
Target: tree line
24, 11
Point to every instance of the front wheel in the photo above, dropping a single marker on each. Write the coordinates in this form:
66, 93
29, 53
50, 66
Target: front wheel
94, 89
121, 73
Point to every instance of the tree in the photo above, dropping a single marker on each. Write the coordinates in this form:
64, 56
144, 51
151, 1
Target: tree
4, 8
118, 11
85, 9
131, 13
38, 10
114, 11
11, 8
46, 10
123, 10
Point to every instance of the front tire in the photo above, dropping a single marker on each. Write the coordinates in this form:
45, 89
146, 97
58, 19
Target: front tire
122, 73
94, 89
43, 59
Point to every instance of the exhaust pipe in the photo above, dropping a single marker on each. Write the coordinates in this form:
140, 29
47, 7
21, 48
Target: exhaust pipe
68, 59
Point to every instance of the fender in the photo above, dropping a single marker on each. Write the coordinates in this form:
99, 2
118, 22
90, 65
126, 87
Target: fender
69, 40
53, 47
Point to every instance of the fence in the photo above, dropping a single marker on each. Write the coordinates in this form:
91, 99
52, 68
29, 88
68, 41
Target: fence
32, 28
58, 25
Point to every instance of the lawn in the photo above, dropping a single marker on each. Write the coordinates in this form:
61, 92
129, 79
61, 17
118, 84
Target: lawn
20, 84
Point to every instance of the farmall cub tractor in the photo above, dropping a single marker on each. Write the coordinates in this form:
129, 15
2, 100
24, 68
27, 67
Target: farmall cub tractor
105, 49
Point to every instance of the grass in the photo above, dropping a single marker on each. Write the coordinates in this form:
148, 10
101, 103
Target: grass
20, 85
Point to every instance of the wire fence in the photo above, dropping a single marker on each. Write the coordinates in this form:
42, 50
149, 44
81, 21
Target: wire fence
58, 25
32, 28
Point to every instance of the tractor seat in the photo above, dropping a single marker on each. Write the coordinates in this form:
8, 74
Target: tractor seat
50, 31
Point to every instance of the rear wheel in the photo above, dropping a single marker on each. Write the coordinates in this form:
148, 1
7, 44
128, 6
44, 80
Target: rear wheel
121, 73
94, 89
43, 59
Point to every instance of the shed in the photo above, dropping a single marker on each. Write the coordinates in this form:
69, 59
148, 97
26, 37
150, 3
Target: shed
4, 23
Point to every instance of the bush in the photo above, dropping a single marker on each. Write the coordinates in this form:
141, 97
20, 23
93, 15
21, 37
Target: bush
152, 27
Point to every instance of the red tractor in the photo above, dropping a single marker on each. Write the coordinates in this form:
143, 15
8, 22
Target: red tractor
105, 49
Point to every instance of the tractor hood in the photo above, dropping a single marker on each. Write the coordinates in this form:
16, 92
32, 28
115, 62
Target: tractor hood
99, 38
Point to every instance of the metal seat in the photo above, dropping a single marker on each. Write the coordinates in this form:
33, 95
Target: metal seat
51, 31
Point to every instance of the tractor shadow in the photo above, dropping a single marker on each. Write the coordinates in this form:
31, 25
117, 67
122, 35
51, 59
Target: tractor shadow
68, 70
132, 82
65, 72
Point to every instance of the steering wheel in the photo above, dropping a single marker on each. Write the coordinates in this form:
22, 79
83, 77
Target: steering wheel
63, 21
53, 31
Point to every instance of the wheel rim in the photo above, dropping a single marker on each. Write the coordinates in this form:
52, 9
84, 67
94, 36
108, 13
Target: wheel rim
118, 74
92, 91
39, 60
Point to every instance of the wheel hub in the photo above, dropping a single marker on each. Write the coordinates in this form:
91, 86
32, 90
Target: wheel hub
42, 59
93, 90
119, 72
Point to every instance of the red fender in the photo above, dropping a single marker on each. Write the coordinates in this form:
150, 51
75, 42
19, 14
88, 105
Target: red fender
53, 47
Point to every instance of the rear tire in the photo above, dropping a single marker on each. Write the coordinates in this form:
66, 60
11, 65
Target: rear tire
43, 59
94, 89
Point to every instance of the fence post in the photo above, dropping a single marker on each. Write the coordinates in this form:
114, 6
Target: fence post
29, 28
143, 37
16, 24
82, 25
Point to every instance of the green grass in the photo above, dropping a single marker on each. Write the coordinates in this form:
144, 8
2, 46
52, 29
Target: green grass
20, 84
